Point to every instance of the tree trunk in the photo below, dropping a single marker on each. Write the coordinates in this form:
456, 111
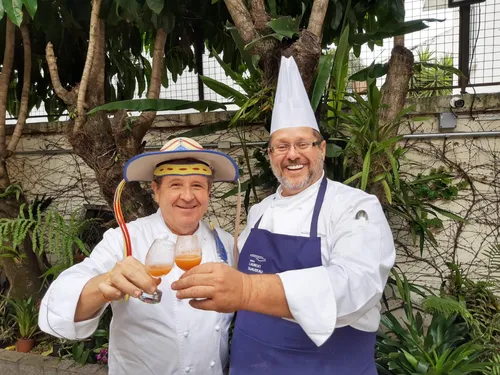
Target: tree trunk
250, 22
396, 86
106, 144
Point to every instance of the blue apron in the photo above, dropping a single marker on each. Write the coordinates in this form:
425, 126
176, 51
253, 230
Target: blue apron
264, 344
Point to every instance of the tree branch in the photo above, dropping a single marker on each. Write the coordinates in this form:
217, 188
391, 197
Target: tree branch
317, 18
66, 96
259, 14
242, 19
8, 58
23, 110
145, 120
82, 91
97, 75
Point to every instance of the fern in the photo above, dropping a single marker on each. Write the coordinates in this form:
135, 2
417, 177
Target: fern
49, 232
448, 307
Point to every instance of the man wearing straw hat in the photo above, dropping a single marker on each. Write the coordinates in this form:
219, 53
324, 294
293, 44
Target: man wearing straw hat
169, 337
313, 262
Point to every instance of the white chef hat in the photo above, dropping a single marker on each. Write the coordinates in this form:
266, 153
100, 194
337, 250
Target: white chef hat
292, 107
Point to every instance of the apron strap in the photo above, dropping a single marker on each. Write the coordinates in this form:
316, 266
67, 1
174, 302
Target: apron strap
317, 208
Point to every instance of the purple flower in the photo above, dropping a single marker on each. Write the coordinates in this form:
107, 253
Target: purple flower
102, 357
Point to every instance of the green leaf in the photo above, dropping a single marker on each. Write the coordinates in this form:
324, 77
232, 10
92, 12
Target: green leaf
250, 63
155, 5
398, 10
14, 10
446, 68
448, 214
284, 26
224, 90
31, 7
353, 178
323, 75
339, 7
391, 30
272, 7
387, 191
333, 150
159, 105
366, 168
2, 10
373, 71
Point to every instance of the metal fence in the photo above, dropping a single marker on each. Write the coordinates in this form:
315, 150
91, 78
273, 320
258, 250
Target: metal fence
466, 40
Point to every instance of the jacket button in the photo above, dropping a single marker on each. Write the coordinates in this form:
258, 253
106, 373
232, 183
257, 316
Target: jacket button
212, 364
186, 334
187, 369
217, 328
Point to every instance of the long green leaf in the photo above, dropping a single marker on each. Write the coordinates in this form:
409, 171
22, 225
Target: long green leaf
159, 105
224, 90
14, 10
323, 75
340, 68
272, 7
391, 30
31, 7
373, 71
155, 5
240, 43
448, 214
366, 168
387, 190
353, 178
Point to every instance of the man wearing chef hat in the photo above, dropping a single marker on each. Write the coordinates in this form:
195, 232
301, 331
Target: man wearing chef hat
314, 260
169, 337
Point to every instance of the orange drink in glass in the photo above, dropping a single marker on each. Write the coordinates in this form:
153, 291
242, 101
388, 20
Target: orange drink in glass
159, 262
187, 252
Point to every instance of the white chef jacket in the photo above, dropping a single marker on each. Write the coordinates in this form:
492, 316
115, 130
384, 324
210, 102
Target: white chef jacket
357, 257
163, 339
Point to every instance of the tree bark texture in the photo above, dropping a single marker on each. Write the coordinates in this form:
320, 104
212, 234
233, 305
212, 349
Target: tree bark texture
8, 58
396, 85
104, 143
251, 24
23, 110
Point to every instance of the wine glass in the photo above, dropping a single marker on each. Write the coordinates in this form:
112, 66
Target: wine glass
159, 262
187, 252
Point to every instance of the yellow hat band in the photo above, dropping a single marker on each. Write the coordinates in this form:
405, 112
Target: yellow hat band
182, 170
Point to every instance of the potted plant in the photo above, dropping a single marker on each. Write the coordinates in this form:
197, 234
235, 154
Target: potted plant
25, 315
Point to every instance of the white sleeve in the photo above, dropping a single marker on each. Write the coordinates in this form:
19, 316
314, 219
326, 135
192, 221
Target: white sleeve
58, 306
340, 293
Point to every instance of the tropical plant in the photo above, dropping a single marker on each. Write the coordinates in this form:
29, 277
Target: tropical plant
432, 77
7, 324
409, 347
25, 315
371, 154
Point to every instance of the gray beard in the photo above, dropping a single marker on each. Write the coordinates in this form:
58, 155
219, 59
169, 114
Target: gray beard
289, 185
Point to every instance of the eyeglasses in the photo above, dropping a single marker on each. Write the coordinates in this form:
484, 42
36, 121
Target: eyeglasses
283, 148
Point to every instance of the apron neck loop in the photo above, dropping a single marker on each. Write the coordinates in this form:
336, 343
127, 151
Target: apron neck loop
317, 208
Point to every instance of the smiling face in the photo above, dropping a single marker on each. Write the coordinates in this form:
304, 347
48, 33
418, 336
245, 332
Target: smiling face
299, 167
183, 201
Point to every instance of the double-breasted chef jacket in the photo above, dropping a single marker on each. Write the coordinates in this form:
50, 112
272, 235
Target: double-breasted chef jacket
163, 339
